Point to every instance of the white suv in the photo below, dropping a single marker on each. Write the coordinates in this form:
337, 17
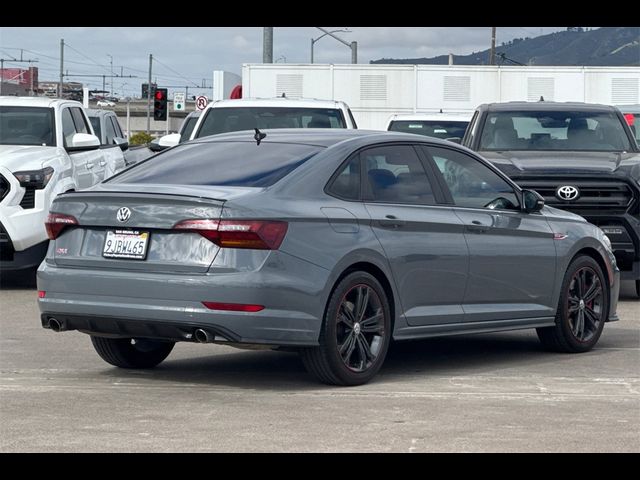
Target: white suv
47, 147
248, 113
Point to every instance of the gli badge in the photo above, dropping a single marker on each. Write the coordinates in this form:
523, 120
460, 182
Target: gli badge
123, 214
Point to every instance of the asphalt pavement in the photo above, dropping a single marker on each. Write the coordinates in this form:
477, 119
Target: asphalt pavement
473, 393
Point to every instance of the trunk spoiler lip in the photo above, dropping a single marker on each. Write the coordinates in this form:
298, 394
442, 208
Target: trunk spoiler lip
139, 194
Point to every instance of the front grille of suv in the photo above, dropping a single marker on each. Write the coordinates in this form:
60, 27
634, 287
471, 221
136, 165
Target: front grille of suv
595, 195
4, 187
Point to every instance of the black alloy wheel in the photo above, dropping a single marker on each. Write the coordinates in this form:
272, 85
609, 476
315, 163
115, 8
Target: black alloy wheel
583, 309
355, 333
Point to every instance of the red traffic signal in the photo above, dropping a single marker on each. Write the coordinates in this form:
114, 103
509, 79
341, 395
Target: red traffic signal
160, 104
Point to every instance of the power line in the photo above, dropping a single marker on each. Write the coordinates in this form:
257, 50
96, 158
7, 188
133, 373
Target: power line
177, 73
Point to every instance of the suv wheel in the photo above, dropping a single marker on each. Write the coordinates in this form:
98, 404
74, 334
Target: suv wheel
355, 333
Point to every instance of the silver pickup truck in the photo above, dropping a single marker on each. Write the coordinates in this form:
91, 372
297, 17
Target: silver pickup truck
107, 128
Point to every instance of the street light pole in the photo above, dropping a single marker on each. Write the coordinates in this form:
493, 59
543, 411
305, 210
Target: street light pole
351, 45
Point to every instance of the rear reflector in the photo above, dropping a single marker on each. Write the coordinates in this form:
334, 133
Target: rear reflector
253, 234
56, 222
233, 307
41, 293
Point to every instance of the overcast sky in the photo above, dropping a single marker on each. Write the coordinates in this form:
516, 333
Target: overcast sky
187, 56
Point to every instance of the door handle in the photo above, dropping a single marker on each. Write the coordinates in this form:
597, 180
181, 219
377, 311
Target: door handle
89, 166
477, 226
392, 221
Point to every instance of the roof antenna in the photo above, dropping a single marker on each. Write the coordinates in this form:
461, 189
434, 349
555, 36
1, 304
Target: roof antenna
440, 110
541, 99
259, 136
283, 95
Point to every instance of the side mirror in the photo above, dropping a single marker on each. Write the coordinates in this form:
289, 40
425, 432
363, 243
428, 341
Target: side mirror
121, 142
83, 141
169, 140
532, 201
154, 146
454, 139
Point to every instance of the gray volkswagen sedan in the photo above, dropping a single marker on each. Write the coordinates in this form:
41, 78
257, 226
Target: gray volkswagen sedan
331, 242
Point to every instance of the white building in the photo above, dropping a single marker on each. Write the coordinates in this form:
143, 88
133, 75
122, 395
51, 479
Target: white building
374, 92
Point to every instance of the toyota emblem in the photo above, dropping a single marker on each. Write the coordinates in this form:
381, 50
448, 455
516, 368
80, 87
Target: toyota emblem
567, 193
123, 214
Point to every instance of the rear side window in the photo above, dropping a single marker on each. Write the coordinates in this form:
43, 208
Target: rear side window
394, 174
223, 120
346, 184
238, 164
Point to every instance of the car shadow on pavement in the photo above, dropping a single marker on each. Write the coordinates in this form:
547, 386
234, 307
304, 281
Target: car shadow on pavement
284, 371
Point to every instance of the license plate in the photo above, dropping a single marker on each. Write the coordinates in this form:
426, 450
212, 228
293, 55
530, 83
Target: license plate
131, 244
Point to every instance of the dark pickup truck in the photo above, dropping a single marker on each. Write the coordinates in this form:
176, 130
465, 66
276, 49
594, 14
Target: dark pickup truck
580, 157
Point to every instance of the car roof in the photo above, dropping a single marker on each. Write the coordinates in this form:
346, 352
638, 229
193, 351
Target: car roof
325, 137
628, 108
547, 106
96, 112
448, 117
282, 102
34, 101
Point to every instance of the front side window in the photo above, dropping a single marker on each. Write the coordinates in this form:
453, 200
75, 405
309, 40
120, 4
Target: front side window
471, 183
79, 120
109, 132
27, 126
234, 119
189, 123
95, 123
68, 127
116, 127
554, 131
238, 164
395, 174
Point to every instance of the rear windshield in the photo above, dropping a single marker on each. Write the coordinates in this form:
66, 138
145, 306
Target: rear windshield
27, 126
233, 119
549, 130
237, 164
430, 128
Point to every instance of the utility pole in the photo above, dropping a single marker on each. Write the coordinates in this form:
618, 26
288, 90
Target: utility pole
111, 87
61, 67
149, 95
354, 52
1, 74
492, 52
267, 45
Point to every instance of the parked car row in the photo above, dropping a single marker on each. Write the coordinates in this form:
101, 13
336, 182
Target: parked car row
47, 147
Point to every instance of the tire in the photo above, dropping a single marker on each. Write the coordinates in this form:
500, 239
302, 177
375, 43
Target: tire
356, 331
571, 334
131, 353
638, 288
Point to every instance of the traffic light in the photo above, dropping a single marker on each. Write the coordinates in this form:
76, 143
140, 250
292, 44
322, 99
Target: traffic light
160, 104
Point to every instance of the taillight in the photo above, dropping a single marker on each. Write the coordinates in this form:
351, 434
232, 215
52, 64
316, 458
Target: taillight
253, 234
42, 294
630, 118
56, 222
233, 307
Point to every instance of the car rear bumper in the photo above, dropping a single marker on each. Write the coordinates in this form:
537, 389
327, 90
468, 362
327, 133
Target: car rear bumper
169, 306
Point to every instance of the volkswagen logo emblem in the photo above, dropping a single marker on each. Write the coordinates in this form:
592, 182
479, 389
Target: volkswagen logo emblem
567, 193
123, 214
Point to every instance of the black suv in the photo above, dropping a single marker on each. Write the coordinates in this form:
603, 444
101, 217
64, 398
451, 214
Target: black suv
580, 157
